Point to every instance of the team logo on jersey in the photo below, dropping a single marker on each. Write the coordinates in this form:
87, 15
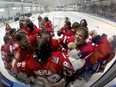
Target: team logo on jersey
55, 60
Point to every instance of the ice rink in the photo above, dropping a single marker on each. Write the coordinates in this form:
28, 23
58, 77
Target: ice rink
57, 18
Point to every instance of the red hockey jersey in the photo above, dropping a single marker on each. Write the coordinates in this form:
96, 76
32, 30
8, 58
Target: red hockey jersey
48, 24
101, 51
55, 45
61, 31
53, 70
6, 55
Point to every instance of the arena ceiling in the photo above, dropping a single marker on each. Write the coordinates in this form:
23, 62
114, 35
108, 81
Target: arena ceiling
53, 3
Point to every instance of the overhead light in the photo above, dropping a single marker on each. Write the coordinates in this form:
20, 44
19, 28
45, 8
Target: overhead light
2, 9
22, 0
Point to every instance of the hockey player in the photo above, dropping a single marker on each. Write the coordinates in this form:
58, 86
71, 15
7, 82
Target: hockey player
83, 23
14, 43
50, 67
67, 26
39, 20
106, 49
7, 29
72, 31
23, 26
69, 34
43, 27
95, 52
12, 33
33, 29
6, 53
28, 26
27, 46
55, 44
48, 23
67, 19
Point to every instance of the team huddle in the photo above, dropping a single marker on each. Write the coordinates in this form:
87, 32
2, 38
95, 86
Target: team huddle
33, 55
